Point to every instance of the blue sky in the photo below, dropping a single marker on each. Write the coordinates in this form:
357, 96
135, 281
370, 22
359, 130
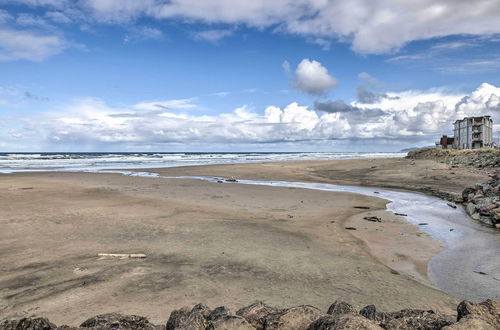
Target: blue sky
232, 75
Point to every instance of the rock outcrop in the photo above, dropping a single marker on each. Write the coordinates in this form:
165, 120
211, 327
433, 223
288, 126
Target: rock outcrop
482, 202
340, 315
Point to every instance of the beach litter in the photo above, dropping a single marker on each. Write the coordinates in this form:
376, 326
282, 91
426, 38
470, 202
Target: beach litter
372, 219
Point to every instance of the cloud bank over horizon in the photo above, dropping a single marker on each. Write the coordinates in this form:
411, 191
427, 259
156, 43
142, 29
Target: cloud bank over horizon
410, 116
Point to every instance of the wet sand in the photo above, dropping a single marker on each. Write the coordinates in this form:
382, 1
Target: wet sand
220, 244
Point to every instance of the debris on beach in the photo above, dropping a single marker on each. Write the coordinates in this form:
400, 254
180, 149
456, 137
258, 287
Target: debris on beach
362, 207
376, 192
479, 272
423, 224
372, 219
231, 179
350, 228
451, 205
401, 214
122, 255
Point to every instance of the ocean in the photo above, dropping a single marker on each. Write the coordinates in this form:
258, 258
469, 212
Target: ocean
95, 162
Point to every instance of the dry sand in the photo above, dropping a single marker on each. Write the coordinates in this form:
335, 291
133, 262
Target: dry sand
221, 244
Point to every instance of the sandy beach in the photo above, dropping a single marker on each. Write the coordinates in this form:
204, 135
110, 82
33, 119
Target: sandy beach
217, 243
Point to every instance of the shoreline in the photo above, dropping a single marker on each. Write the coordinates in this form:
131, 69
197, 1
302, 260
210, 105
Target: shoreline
106, 210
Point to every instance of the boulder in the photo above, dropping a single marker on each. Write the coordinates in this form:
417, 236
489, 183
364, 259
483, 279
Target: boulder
218, 313
295, 318
202, 309
408, 319
118, 321
488, 311
469, 323
423, 322
256, 313
467, 192
471, 208
184, 319
27, 323
230, 322
487, 209
371, 313
340, 307
343, 321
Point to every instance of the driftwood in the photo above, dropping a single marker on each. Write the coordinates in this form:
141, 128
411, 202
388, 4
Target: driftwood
122, 255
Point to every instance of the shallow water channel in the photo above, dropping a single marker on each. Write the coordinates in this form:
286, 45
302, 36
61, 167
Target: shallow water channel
469, 265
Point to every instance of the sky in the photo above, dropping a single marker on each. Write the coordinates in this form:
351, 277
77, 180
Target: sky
238, 75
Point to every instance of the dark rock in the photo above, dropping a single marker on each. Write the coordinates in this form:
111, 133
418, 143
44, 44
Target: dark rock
183, 319
295, 318
345, 321
409, 319
256, 313
371, 313
118, 321
451, 205
423, 322
340, 307
202, 309
466, 192
27, 323
218, 313
230, 322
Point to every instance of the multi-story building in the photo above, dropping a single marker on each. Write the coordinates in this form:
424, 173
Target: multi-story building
473, 133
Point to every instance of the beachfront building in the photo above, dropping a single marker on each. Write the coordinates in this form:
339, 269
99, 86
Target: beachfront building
445, 142
473, 133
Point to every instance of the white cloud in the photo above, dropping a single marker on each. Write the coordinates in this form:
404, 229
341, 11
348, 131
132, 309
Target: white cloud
27, 45
371, 26
166, 105
143, 33
313, 78
58, 17
212, 36
220, 94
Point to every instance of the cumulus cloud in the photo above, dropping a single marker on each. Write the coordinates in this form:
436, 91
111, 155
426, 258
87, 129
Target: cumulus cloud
313, 78
27, 45
371, 26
